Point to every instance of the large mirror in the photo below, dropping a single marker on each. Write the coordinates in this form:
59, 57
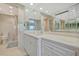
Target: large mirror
33, 25
69, 25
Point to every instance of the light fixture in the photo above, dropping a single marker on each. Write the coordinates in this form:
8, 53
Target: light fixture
47, 11
27, 10
10, 7
41, 8
31, 4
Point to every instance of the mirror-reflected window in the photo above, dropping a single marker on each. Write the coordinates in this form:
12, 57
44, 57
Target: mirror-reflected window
33, 25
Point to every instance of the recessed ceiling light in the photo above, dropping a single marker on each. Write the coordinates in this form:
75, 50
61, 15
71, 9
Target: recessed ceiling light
10, 7
31, 4
41, 8
27, 10
47, 11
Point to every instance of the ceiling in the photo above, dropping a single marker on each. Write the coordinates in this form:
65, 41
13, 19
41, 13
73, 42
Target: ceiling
7, 9
49, 8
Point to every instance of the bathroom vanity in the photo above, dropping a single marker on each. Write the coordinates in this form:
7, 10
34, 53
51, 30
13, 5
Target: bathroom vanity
47, 44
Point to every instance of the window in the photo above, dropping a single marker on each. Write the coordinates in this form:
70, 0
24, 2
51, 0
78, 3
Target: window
77, 25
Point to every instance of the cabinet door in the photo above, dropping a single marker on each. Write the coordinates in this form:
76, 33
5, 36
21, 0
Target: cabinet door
51, 48
26, 43
31, 44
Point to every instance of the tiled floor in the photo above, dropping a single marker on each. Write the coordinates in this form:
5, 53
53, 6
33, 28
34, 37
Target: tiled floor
11, 51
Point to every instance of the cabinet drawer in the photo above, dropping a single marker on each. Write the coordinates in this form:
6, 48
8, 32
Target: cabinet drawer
58, 49
46, 51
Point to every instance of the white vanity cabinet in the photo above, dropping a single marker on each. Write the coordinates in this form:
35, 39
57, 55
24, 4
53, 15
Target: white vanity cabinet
31, 45
45, 45
52, 48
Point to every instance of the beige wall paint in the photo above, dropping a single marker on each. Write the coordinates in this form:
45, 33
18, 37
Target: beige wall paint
7, 24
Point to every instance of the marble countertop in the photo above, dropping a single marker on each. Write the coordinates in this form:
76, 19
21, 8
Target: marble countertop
73, 41
69, 40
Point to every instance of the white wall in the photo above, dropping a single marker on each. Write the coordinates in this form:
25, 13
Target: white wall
21, 17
